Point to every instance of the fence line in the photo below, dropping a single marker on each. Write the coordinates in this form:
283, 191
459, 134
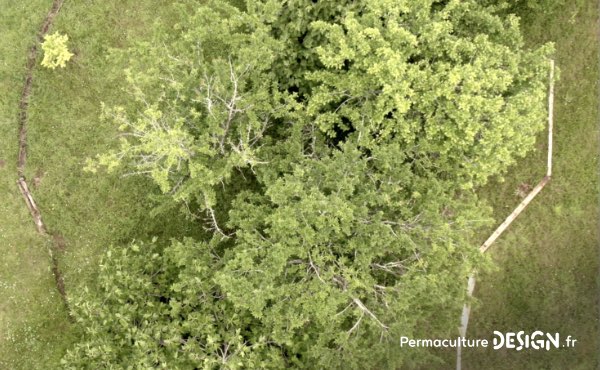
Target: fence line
464, 319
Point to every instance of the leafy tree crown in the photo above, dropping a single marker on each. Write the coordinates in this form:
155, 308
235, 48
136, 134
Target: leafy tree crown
332, 150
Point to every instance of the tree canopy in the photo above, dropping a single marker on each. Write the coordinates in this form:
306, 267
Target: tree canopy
332, 150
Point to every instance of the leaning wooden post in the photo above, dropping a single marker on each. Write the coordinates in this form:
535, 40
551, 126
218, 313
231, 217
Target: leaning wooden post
464, 318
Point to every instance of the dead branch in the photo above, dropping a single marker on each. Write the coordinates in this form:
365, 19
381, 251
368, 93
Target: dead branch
394, 268
214, 224
364, 308
315, 268
357, 323
31, 206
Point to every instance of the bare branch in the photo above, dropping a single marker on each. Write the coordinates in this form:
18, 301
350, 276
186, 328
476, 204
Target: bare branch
395, 268
344, 310
357, 323
213, 220
364, 308
315, 268
342, 283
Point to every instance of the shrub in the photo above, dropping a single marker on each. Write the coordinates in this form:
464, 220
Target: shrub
56, 53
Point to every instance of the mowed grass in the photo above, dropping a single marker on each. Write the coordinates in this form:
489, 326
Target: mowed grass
91, 212
548, 260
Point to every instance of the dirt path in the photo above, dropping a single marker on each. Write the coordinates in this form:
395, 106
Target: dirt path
57, 242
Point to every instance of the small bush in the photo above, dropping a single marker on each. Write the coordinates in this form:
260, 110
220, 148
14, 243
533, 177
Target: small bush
56, 53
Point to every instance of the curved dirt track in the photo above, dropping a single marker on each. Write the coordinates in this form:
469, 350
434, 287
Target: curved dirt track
56, 242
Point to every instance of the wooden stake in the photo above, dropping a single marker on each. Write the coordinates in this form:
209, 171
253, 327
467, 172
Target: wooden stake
517, 211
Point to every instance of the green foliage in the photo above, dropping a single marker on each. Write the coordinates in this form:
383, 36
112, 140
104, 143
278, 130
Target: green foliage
334, 150
159, 308
215, 104
56, 53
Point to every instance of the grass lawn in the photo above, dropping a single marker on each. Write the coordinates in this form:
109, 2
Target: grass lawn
548, 260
